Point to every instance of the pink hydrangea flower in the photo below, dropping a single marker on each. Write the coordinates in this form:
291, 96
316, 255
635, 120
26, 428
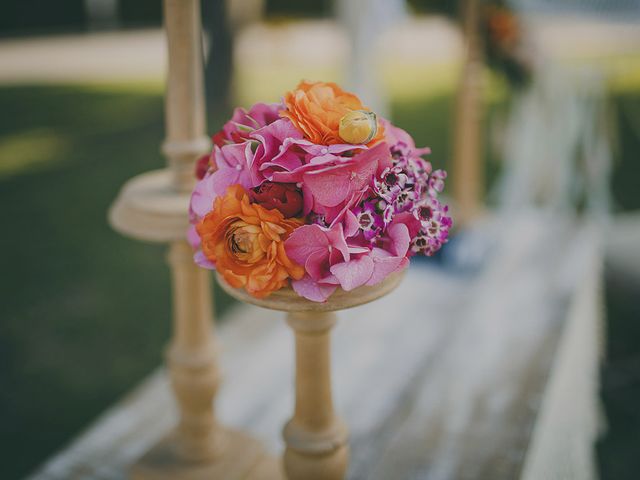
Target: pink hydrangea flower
243, 122
400, 140
317, 249
332, 184
201, 203
234, 167
331, 260
275, 149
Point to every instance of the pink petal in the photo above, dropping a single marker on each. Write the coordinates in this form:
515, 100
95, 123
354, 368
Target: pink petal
351, 225
366, 165
317, 150
265, 113
317, 264
203, 261
307, 200
384, 162
399, 235
312, 290
329, 280
304, 241
327, 161
385, 265
287, 177
231, 155
407, 218
324, 160
336, 238
329, 186
192, 237
287, 160
223, 178
277, 132
354, 273
336, 214
218, 158
395, 134
203, 196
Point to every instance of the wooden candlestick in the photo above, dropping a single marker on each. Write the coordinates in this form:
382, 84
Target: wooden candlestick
316, 439
154, 207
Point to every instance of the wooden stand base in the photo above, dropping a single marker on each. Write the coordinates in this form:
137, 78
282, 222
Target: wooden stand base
316, 438
240, 457
317, 441
327, 466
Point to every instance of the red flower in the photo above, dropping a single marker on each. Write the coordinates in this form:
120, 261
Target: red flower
202, 166
285, 197
220, 139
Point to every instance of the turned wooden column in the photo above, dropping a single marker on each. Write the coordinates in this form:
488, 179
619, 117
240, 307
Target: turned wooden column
154, 207
316, 438
186, 137
191, 353
191, 357
468, 166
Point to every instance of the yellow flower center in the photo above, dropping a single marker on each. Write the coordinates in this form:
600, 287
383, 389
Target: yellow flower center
358, 126
243, 241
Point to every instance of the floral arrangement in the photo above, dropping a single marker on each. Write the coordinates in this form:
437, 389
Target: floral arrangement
315, 192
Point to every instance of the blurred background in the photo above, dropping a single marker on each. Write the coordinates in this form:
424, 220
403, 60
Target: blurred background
85, 312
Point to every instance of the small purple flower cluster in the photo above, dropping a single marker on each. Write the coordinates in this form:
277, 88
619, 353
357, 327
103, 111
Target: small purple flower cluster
409, 185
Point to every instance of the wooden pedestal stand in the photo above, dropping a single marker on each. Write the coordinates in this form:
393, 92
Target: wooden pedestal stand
468, 165
316, 438
154, 207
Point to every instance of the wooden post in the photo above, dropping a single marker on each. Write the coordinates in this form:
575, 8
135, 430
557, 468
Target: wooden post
154, 207
468, 167
316, 438
191, 357
185, 114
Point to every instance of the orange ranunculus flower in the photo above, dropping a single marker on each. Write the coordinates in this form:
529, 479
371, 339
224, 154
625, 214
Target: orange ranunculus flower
246, 243
316, 108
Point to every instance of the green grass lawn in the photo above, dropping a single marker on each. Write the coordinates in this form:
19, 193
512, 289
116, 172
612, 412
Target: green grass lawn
84, 311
